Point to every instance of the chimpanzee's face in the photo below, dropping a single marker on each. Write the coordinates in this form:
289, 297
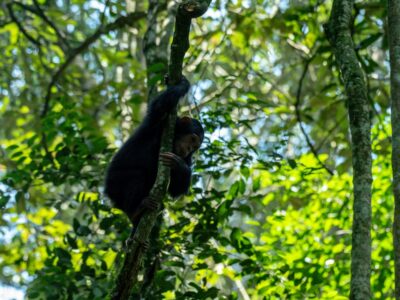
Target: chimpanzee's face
187, 144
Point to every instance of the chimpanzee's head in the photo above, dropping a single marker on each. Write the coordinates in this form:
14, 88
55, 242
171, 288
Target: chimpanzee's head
189, 135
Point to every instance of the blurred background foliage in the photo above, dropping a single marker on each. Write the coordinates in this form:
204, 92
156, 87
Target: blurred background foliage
265, 219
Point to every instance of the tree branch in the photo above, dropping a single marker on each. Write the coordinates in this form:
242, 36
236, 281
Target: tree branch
338, 31
127, 277
37, 10
299, 119
186, 11
118, 23
22, 28
61, 36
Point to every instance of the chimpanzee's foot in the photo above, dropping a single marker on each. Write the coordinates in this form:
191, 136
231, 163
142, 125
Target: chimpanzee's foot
150, 204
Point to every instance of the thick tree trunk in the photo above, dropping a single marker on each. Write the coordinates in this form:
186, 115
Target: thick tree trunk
339, 35
394, 49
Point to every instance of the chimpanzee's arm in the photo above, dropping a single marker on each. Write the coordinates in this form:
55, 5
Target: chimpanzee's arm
162, 105
180, 180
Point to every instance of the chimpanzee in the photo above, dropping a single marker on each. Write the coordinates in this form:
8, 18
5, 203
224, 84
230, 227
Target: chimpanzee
133, 170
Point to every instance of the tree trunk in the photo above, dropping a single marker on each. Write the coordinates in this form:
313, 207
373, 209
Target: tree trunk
394, 49
338, 31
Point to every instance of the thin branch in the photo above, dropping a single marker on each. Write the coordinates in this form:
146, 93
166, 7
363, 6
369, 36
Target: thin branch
61, 36
330, 132
299, 119
118, 23
103, 14
37, 10
21, 28
186, 11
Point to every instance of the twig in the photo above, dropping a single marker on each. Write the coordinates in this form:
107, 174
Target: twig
23, 30
298, 115
60, 35
118, 23
330, 132
103, 14
40, 13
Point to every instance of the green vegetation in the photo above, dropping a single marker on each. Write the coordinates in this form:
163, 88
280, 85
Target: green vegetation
265, 218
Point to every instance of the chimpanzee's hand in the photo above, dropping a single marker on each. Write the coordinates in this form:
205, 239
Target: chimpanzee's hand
172, 160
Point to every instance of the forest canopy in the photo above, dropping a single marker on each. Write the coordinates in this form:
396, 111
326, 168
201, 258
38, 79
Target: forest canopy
273, 197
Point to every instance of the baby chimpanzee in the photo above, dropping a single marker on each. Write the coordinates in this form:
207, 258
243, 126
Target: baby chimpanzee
133, 170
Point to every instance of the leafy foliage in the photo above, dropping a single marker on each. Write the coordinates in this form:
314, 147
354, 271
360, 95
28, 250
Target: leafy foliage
264, 219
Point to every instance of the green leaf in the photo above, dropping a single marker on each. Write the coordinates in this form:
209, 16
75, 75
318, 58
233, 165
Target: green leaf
292, 163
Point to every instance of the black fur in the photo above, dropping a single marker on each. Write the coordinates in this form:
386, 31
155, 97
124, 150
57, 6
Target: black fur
133, 170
